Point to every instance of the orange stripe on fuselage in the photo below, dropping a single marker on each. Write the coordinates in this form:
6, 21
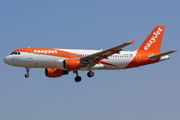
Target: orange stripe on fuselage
50, 52
141, 59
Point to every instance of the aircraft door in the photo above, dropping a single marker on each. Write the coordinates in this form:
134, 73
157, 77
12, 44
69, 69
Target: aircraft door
138, 57
29, 53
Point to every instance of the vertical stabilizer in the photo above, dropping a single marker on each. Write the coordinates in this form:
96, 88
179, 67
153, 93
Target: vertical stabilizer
153, 41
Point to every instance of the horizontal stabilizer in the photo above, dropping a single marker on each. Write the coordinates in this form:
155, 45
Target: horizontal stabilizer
160, 55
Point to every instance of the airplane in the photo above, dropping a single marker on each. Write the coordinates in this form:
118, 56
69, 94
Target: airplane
59, 62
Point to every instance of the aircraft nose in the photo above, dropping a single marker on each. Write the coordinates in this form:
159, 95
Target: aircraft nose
7, 60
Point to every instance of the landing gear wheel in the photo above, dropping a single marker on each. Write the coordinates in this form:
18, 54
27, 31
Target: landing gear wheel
27, 70
90, 74
77, 78
26, 75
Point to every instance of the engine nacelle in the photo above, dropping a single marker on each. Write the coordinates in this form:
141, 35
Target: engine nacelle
53, 72
72, 64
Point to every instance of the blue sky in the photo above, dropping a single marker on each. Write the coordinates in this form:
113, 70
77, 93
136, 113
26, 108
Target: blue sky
146, 93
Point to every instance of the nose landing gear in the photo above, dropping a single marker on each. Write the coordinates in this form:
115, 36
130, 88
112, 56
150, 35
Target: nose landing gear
27, 74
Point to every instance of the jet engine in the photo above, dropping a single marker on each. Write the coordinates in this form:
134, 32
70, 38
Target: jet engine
53, 72
72, 64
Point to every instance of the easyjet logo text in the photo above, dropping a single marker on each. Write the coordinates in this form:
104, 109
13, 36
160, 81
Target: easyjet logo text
153, 38
45, 51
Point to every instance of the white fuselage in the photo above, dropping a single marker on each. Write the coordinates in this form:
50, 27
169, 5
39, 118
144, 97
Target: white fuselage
37, 60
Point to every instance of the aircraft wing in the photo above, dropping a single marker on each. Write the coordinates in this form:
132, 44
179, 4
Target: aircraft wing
95, 58
160, 55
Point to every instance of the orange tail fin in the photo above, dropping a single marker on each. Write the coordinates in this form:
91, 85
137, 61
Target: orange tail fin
153, 41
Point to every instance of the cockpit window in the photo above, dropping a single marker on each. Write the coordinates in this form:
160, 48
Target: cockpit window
15, 53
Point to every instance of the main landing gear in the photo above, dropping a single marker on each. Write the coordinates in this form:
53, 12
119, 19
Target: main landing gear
90, 74
27, 74
78, 78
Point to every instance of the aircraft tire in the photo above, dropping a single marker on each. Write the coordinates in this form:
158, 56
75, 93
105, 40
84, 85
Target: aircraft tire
26, 75
90, 74
78, 79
